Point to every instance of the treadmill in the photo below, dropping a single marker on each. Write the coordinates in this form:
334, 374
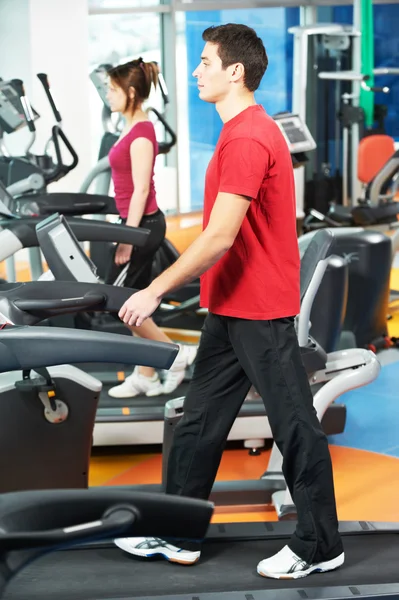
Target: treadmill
36, 523
68, 533
252, 423
143, 419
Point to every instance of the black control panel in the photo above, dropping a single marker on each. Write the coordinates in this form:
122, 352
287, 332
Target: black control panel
11, 114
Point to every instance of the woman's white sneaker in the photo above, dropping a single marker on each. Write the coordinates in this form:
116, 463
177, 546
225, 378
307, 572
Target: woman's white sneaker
137, 384
287, 565
151, 547
176, 373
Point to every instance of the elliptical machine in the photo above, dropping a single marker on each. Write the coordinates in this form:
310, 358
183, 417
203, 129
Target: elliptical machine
30, 173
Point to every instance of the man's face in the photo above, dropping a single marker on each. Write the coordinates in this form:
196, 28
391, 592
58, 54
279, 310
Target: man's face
213, 80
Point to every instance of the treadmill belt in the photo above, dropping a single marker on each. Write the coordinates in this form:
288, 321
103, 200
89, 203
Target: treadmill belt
104, 573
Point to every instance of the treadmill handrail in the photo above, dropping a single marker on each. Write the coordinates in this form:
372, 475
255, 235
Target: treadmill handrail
70, 203
33, 347
30, 302
313, 266
84, 229
101, 167
37, 522
54, 306
384, 175
47, 510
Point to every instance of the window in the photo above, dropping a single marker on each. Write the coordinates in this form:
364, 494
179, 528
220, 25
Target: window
120, 4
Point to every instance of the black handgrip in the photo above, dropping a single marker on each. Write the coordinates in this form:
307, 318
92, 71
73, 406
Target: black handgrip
384, 89
45, 83
54, 304
84, 208
373, 88
165, 145
61, 169
26, 107
115, 521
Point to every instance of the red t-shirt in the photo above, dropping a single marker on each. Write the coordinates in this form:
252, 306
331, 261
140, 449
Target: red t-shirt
121, 168
258, 277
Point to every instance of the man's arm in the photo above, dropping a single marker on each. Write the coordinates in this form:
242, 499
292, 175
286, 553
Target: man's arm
225, 221
243, 165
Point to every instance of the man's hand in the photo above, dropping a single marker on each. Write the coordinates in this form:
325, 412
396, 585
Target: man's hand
123, 254
139, 307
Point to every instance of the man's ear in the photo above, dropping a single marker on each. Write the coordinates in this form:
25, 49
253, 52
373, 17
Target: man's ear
237, 71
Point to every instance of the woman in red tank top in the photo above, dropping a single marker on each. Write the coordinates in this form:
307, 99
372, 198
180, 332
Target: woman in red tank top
132, 161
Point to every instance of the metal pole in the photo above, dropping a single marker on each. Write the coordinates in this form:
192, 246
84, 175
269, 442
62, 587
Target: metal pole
355, 188
169, 58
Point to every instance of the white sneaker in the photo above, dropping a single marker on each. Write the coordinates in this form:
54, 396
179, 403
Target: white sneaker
137, 384
150, 547
287, 565
176, 373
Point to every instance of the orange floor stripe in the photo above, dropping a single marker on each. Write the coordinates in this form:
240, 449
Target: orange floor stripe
366, 483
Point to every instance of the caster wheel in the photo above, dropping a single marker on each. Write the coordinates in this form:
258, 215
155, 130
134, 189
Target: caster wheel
254, 452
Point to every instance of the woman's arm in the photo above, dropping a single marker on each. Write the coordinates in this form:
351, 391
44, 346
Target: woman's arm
141, 156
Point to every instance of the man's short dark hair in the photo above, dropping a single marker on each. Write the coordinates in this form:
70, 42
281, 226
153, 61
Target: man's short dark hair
240, 44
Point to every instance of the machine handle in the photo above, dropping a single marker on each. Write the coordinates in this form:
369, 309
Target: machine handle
162, 85
166, 146
114, 521
31, 347
26, 107
373, 88
83, 208
45, 83
61, 169
58, 304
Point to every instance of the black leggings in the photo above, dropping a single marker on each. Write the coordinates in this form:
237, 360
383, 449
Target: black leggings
137, 272
233, 353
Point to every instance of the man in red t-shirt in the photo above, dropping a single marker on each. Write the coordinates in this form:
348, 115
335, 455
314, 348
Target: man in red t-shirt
248, 259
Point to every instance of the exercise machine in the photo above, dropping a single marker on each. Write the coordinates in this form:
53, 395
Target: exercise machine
34, 524
139, 420
377, 207
339, 372
57, 404
68, 268
38, 171
227, 569
334, 374
368, 255
52, 520
19, 231
327, 80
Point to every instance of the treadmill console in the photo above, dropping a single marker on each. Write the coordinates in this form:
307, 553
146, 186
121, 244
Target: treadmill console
64, 255
11, 114
295, 132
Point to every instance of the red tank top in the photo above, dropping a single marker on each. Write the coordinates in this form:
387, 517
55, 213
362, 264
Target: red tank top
121, 168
